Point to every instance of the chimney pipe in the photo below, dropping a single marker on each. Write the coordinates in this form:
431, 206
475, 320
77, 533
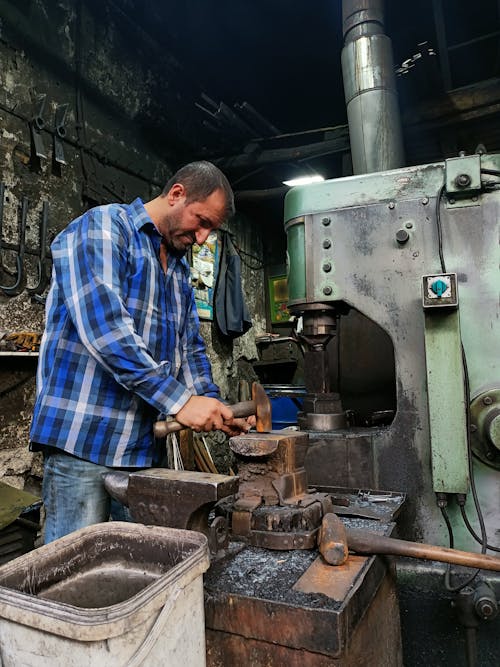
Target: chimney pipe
370, 89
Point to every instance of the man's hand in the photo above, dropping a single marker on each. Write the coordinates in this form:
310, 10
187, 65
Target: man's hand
202, 413
238, 426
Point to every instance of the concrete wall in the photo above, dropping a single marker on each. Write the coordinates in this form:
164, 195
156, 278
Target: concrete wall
124, 127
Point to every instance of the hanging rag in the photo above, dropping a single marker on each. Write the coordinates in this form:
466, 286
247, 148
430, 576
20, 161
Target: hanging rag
231, 312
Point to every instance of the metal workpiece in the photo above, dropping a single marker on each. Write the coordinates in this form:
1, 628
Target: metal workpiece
325, 421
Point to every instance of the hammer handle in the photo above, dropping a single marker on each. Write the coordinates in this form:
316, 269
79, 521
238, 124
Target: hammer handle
243, 409
365, 542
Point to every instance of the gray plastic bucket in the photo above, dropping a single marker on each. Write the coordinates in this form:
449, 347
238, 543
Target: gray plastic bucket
113, 594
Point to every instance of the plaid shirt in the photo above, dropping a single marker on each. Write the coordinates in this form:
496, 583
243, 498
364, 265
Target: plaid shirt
121, 342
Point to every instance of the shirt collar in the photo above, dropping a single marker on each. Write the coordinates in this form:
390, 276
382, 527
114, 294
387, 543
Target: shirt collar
140, 218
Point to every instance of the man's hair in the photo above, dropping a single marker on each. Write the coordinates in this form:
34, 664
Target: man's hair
200, 179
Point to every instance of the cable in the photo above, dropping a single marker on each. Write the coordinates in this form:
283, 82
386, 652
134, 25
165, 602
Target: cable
447, 575
439, 227
472, 532
484, 538
259, 263
491, 172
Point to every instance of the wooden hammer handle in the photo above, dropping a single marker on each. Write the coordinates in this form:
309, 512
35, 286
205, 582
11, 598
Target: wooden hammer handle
243, 409
366, 542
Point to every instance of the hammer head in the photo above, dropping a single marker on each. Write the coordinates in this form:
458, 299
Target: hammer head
263, 422
332, 540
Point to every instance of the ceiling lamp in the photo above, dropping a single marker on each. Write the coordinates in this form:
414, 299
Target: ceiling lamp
304, 180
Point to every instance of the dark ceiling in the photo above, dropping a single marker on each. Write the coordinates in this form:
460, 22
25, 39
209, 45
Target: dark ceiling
282, 59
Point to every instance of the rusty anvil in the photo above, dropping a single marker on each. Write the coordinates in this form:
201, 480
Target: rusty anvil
174, 498
260, 406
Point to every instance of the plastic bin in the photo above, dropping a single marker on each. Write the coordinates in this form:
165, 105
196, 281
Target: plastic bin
286, 402
111, 594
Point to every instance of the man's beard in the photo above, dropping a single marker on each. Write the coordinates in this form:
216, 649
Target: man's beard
176, 246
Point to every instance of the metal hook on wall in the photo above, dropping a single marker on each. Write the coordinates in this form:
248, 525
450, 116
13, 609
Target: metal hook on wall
17, 287
43, 278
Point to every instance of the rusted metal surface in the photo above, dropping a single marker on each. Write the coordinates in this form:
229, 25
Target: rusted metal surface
320, 579
278, 541
273, 508
252, 446
286, 449
259, 473
252, 619
291, 487
376, 640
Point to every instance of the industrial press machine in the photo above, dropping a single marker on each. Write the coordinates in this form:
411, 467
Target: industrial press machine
395, 276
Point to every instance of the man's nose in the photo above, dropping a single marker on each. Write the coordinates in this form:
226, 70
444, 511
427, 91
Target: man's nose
201, 236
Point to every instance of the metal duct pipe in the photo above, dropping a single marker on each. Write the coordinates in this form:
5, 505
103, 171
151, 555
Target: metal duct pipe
370, 89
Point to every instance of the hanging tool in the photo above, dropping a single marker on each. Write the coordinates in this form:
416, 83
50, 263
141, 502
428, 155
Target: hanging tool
14, 289
260, 406
60, 133
36, 125
335, 539
43, 277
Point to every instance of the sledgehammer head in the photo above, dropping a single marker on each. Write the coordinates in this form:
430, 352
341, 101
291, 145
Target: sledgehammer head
332, 540
262, 408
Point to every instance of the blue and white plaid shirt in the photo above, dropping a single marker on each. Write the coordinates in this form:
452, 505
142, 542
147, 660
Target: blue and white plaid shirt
121, 343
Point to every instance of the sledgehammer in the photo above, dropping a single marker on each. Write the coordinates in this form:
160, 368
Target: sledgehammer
260, 406
335, 539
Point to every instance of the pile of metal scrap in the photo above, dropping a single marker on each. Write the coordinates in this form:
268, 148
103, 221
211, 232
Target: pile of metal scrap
20, 341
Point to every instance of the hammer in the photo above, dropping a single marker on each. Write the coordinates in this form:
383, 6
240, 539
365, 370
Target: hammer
335, 539
260, 406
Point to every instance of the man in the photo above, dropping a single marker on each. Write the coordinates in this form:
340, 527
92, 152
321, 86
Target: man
122, 343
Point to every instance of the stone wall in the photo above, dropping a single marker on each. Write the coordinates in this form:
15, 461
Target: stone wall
122, 100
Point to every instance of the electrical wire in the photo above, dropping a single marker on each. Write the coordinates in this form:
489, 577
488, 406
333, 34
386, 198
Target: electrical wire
484, 539
439, 196
491, 172
259, 263
473, 533
447, 575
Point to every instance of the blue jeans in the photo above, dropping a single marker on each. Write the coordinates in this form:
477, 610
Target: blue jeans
74, 496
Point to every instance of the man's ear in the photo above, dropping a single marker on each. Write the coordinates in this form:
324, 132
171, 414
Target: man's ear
176, 193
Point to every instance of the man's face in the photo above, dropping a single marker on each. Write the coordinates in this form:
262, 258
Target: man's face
192, 223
